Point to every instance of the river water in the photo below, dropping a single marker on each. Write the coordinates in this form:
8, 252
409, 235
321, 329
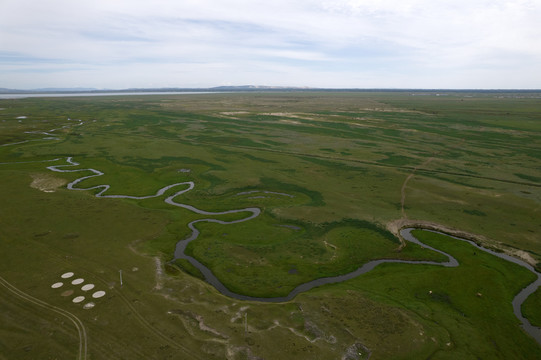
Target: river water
519, 299
533, 331
253, 212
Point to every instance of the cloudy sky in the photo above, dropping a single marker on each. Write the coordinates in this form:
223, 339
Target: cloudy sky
316, 43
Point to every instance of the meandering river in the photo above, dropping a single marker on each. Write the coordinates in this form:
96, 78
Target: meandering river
253, 212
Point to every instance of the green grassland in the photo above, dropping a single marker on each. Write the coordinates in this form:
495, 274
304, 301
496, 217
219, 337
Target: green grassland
531, 309
326, 169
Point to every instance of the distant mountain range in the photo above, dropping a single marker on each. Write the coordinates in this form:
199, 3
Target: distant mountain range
258, 87
239, 88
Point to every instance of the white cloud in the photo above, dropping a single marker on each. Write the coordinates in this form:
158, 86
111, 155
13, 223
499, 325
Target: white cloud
396, 43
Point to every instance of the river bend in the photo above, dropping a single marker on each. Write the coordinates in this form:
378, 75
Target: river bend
179, 253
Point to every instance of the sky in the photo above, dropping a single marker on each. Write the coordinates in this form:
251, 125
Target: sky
119, 44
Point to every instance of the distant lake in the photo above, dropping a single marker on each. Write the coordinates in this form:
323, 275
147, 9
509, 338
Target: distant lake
22, 96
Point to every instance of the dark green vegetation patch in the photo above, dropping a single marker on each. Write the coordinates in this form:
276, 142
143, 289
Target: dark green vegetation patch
330, 171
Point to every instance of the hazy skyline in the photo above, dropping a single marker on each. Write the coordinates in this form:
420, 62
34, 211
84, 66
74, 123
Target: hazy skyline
334, 44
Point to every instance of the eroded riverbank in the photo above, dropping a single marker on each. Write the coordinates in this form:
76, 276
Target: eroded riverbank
211, 278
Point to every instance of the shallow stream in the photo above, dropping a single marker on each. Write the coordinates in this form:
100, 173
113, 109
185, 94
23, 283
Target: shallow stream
517, 302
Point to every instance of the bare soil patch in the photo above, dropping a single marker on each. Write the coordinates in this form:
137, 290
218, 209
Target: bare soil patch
397, 225
229, 113
46, 183
290, 122
291, 115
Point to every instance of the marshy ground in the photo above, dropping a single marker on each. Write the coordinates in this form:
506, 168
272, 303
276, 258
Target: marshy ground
353, 165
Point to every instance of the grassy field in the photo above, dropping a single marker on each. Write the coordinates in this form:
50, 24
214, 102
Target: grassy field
328, 171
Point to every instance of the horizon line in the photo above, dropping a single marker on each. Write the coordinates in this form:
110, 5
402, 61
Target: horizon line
251, 88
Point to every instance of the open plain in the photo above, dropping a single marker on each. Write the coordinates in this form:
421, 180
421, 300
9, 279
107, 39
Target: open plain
334, 176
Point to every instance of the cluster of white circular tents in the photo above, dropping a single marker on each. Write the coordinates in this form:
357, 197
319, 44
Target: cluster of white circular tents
85, 288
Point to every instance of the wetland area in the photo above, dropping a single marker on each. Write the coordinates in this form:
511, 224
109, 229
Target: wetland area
280, 218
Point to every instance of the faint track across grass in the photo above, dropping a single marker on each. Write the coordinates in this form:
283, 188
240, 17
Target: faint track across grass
410, 176
353, 160
144, 322
140, 318
83, 339
370, 163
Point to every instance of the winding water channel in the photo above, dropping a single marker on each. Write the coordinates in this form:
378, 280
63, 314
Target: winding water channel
47, 133
253, 212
